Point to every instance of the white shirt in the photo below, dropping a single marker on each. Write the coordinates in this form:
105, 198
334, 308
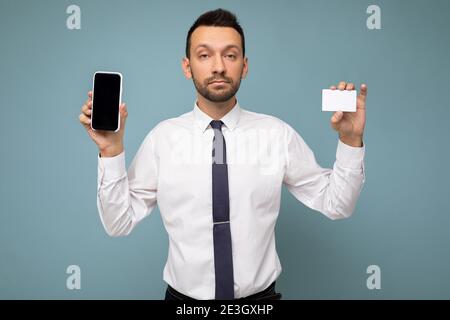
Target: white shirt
172, 168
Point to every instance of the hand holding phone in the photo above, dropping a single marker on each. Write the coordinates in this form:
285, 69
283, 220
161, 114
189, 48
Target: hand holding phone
107, 132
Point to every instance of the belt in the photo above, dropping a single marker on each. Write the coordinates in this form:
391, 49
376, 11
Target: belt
266, 294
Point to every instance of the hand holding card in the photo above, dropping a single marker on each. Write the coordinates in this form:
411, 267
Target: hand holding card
349, 124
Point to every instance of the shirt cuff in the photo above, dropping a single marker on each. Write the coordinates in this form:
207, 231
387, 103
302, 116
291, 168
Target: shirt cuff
350, 157
112, 167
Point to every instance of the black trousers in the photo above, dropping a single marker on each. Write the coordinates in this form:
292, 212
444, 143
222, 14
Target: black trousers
267, 294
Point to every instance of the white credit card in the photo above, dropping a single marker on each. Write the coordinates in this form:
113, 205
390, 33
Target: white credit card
339, 100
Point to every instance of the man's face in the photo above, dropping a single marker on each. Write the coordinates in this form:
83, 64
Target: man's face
216, 63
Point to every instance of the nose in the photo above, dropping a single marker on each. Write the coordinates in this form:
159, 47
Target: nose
218, 65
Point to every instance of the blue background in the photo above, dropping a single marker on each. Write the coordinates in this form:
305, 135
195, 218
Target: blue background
48, 213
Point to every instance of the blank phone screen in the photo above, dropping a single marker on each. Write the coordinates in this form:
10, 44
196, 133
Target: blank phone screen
106, 100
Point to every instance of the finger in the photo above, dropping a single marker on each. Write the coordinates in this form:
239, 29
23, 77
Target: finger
84, 120
363, 90
86, 106
88, 100
341, 85
333, 87
90, 95
123, 113
362, 97
350, 86
87, 112
123, 109
337, 116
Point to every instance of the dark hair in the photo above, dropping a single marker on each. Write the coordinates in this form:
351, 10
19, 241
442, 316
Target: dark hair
216, 18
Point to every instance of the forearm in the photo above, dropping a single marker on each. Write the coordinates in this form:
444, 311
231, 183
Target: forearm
342, 192
113, 196
333, 192
346, 180
125, 198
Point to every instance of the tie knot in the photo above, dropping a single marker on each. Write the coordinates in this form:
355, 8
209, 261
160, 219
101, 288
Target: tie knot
216, 124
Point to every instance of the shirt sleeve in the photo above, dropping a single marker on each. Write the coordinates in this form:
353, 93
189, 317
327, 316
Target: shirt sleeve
333, 192
125, 198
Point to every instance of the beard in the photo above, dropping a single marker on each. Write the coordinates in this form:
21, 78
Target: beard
224, 93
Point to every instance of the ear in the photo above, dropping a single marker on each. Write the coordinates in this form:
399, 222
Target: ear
245, 69
186, 66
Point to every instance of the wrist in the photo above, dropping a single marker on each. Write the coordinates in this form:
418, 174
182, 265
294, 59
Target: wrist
111, 151
353, 141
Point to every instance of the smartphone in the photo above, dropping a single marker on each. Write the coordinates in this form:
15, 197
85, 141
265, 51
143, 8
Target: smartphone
106, 99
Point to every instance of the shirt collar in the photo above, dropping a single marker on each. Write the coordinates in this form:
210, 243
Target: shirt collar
230, 119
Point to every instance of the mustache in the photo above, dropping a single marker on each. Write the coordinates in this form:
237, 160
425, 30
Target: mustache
209, 80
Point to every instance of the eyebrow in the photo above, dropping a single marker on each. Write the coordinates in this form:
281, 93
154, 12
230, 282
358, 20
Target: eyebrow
230, 46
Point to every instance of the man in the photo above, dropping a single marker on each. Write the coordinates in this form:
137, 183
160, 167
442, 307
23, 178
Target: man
217, 171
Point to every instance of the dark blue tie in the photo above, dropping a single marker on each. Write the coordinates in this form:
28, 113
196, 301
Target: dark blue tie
223, 258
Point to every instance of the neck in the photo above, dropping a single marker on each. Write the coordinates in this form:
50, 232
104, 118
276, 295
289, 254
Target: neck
215, 110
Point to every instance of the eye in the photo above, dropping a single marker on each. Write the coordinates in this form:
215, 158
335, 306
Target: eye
203, 56
231, 56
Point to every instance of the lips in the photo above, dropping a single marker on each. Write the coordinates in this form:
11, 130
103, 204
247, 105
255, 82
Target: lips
218, 82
